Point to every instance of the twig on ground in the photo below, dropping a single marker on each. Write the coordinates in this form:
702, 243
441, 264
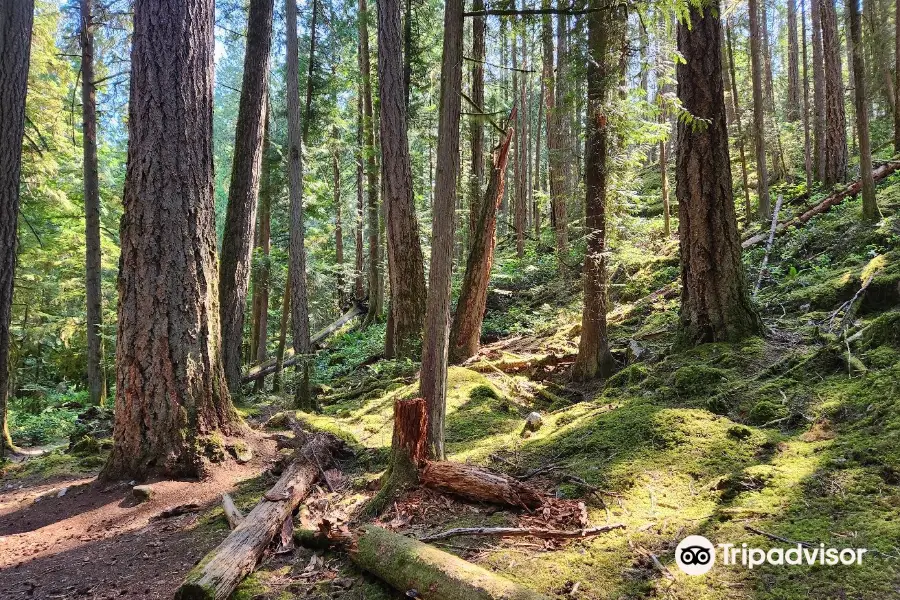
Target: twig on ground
523, 532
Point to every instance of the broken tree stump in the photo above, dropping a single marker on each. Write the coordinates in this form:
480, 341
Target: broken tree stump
481, 485
408, 564
220, 571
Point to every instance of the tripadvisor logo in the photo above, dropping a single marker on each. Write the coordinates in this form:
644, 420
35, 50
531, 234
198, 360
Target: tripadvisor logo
696, 555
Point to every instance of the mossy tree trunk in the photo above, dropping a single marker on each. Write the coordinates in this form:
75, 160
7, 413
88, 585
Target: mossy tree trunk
870, 206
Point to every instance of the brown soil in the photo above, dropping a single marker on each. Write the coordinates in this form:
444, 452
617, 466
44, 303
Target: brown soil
97, 542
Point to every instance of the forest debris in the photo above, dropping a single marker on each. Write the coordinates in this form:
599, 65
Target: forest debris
547, 534
232, 514
480, 485
765, 261
142, 492
177, 511
220, 571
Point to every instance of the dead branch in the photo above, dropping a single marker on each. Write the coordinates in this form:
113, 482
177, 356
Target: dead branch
546, 534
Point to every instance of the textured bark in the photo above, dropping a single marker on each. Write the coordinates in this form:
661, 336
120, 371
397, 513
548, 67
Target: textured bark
376, 281
338, 224
834, 167
15, 50
296, 140
405, 264
748, 208
93, 293
793, 58
870, 207
476, 128
465, 333
807, 144
170, 385
759, 118
897, 78
359, 262
714, 301
240, 216
518, 178
818, 69
259, 331
282, 335
479, 485
554, 171
564, 117
433, 377
594, 358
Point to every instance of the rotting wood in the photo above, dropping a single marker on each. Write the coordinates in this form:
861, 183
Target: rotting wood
232, 514
765, 261
480, 485
547, 534
220, 571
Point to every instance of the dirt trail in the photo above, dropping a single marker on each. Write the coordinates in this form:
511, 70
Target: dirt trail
96, 542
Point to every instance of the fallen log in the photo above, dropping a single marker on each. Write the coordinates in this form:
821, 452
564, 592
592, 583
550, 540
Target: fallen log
220, 571
825, 205
546, 534
268, 368
762, 268
480, 485
232, 514
407, 564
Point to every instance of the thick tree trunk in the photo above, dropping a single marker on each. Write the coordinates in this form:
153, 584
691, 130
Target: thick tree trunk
807, 145
818, 69
220, 571
376, 281
465, 333
476, 128
93, 293
359, 285
405, 263
170, 385
759, 114
259, 333
715, 305
793, 91
240, 216
748, 208
15, 51
554, 166
834, 167
594, 358
433, 378
870, 206
896, 80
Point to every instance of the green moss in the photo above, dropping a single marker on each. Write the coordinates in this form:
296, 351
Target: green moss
765, 411
630, 375
693, 380
882, 357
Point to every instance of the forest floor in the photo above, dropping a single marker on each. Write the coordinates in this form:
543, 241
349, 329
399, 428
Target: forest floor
796, 435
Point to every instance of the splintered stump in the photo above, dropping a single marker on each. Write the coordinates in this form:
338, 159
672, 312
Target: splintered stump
220, 571
408, 564
480, 485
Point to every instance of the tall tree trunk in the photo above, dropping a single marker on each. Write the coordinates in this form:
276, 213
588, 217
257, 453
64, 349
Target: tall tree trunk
564, 106
338, 224
376, 281
465, 333
518, 175
406, 270
15, 52
897, 78
554, 164
793, 91
818, 69
433, 380
715, 305
594, 358
168, 345
748, 209
663, 89
259, 333
759, 118
359, 286
870, 206
93, 293
240, 216
848, 44
476, 128
834, 168
408, 51
807, 145
282, 334
537, 179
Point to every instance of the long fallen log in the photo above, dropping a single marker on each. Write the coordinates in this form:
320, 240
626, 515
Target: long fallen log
407, 564
480, 485
268, 368
220, 571
538, 532
825, 205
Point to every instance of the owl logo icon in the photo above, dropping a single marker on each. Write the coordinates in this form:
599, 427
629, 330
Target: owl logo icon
695, 555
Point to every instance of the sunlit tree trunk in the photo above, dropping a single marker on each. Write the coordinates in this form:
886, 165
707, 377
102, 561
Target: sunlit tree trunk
870, 206
170, 384
748, 208
807, 144
405, 263
818, 69
715, 305
555, 172
834, 167
259, 331
793, 91
359, 285
93, 293
476, 129
897, 78
240, 215
15, 51
759, 118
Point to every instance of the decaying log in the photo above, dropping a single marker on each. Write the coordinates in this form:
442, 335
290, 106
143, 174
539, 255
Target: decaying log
232, 514
765, 262
264, 370
220, 571
407, 564
547, 534
480, 485
825, 205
